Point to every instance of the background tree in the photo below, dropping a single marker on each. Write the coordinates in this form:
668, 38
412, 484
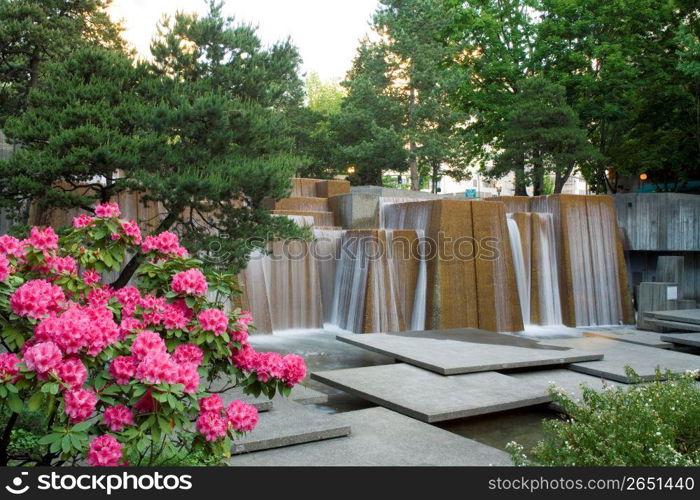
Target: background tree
495, 43
33, 32
542, 130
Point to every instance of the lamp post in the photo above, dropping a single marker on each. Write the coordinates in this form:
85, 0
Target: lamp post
498, 189
351, 169
643, 177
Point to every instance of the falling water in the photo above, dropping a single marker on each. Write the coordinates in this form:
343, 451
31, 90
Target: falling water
348, 304
522, 270
545, 255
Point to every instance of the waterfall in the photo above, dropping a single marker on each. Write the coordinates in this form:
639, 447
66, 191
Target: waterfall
544, 254
522, 270
419, 301
348, 303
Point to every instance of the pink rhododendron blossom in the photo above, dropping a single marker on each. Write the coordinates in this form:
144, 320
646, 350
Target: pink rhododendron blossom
115, 236
245, 318
187, 375
11, 246
132, 230
82, 220
156, 367
239, 334
188, 353
90, 328
211, 403
72, 372
213, 320
129, 325
43, 357
129, 297
146, 404
107, 210
153, 309
176, 315
122, 369
4, 268
294, 370
269, 365
99, 296
43, 239
62, 265
211, 425
105, 451
244, 358
145, 343
117, 417
243, 417
37, 298
191, 282
8, 366
166, 243
91, 277
80, 404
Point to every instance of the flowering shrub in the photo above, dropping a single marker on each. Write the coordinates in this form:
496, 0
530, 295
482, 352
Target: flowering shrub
644, 424
125, 376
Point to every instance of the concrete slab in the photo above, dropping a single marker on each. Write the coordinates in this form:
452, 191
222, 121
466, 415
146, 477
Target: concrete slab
649, 339
569, 381
643, 360
673, 325
430, 397
289, 423
689, 339
683, 316
441, 351
381, 437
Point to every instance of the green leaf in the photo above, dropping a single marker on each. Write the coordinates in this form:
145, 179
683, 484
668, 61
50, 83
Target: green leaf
50, 438
15, 403
82, 426
35, 401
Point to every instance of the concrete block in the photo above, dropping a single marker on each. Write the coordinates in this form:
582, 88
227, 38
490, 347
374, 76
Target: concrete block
452, 357
654, 296
289, 423
689, 339
430, 397
381, 437
330, 188
618, 355
650, 339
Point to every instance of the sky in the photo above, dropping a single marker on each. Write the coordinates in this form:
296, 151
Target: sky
326, 32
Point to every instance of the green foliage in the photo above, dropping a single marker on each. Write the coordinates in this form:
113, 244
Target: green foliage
323, 97
34, 32
645, 424
542, 136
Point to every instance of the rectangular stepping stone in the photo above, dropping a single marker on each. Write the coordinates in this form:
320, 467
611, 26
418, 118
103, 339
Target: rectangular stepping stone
643, 360
451, 357
650, 339
300, 394
289, 423
689, 339
683, 315
430, 397
381, 437
567, 380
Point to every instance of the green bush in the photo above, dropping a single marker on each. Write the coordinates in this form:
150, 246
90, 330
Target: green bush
645, 424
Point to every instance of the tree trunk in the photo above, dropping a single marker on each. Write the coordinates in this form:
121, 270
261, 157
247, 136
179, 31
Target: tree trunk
537, 175
520, 181
436, 177
5, 440
137, 259
412, 162
561, 178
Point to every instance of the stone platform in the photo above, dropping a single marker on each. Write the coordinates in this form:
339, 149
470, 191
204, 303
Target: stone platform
688, 339
430, 397
684, 319
441, 351
643, 360
289, 423
381, 437
649, 339
300, 394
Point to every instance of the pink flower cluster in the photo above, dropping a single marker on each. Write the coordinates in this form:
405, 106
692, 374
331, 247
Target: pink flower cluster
43, 357
213, 422
82, 221
37, 298
10, 245
150, 363
176, 315
166, 243
188, 353
213, 320
132, 230
107, 210
117, 417
105, 451
43, 239
4, 268
190, 282
79, 404
8, 366
91, 277
62, 265
72, 373
90, 327
290, 369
